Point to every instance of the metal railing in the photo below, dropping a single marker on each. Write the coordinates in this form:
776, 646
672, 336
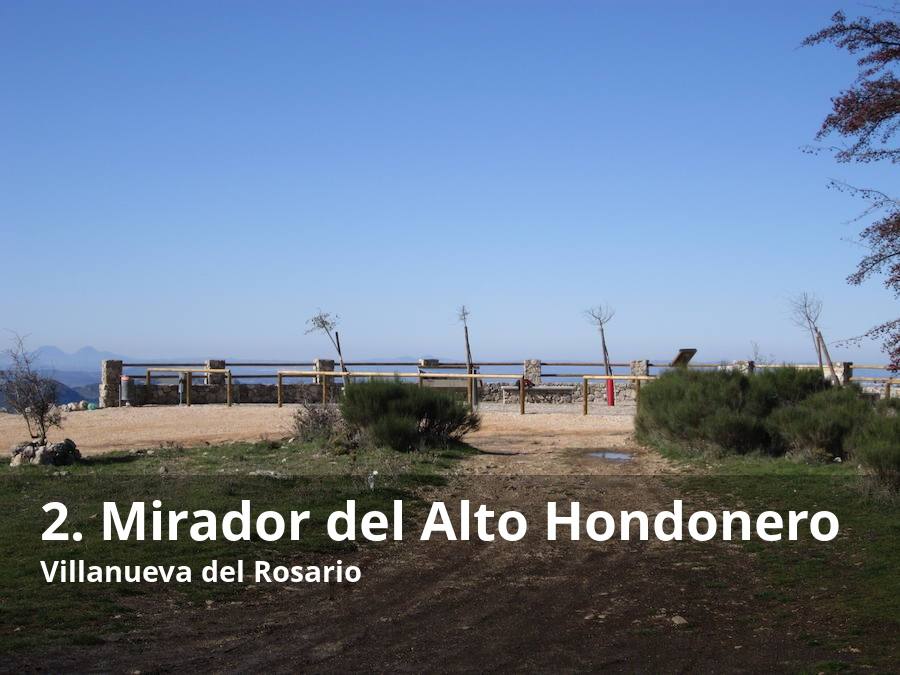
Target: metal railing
425, 371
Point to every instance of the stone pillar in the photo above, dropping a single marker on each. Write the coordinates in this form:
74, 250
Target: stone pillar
640, 367
323, 364
532, 370
110, 382
843, 370
746, 367
215, 378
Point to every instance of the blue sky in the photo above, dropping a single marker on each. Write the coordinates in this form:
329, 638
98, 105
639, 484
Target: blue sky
197, 178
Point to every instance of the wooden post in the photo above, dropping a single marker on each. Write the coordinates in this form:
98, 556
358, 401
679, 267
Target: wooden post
228, 394
522, 396
147, 381
584, 395
187, 387
637, 394
280, 395
325, 389
887, 390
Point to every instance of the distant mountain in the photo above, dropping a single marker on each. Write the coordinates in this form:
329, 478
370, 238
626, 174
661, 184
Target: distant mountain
85, 359
65, 394
74, 378
88, 392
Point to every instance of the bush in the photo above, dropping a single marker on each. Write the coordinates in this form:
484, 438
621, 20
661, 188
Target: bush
876, 444
777, 387
821, 424
316, 424
733, 412
677, 405
404, 416
398, 432
736, 431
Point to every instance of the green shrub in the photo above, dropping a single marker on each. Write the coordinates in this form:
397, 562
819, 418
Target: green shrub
732, 412
677, 405
398, 432
736, 431
876, 444
777, 387
405, 416
821, 424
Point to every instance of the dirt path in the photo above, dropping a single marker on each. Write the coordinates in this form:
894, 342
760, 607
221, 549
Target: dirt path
99, 431
533, 605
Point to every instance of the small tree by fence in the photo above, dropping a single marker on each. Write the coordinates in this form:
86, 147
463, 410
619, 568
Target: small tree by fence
29, 393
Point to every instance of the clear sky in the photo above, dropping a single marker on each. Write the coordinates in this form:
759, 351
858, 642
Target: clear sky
193, 178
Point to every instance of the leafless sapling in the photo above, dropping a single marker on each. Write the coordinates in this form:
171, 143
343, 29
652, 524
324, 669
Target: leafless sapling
600, 316
806, 309
30, 393
325, 323
463, 315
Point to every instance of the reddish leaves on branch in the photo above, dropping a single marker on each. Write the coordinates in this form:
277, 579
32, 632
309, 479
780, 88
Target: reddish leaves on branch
868, 114
867, 111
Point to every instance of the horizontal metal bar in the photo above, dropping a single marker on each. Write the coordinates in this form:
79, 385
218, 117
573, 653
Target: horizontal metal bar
223, 371
597, 364
429, 376
619, 377
265, 364
161, 364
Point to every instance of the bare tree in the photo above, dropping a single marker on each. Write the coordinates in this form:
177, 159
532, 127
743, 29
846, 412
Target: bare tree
600, 316
29, 393
464, 319
463, 314
325, 323
806, 309
758, 357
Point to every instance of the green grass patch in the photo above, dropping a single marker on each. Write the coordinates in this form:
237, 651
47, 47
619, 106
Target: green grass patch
271, 475
852, 579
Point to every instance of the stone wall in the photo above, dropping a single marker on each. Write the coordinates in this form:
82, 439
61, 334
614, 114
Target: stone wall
167, 394
492, 392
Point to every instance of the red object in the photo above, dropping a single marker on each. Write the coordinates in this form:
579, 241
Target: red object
610, 392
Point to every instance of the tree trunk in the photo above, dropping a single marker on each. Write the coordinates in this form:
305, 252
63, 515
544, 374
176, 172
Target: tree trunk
834, 377
812, 332
606, 367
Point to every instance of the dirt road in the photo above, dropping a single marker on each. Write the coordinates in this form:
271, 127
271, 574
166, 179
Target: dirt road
534, 605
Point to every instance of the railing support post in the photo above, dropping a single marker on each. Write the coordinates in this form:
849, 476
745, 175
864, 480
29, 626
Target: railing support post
584, 395
189, 380
110, 383
522, 396
280, 379
228, 394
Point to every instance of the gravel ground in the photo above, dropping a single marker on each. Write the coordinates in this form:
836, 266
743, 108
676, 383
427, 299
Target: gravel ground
108, 429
